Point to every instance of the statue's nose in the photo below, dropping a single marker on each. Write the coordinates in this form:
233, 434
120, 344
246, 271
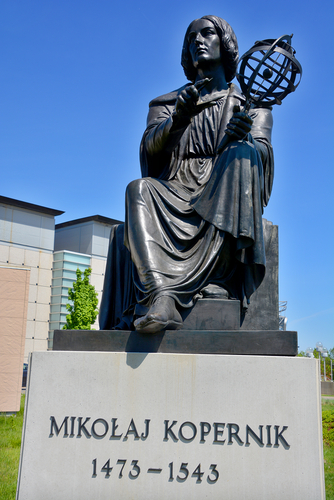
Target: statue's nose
198, 39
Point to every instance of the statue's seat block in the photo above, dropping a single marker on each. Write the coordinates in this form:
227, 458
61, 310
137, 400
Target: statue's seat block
212, 314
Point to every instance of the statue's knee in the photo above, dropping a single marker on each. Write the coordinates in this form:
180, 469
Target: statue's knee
135, 189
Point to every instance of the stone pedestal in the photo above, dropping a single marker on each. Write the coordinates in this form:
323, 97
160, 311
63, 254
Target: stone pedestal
263, 308
153, 426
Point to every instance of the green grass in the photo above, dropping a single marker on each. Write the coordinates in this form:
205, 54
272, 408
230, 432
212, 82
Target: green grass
327, 404
10, 443
328, 434
329, 471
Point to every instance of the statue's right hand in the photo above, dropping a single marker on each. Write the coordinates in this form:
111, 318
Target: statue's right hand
185, 107
186, 103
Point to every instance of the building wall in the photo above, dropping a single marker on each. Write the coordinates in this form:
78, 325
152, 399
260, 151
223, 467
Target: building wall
100, 246
26, 240
79, 244
26, 228
90, 238
63, 275
98, 266
76, 238
65, 265
14, 292
100, 240
39, 263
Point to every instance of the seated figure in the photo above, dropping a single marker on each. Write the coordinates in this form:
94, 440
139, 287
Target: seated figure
193, 224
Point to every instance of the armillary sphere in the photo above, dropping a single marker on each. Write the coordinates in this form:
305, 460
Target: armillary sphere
268, 72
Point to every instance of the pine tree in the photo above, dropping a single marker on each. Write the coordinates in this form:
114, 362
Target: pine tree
84, 310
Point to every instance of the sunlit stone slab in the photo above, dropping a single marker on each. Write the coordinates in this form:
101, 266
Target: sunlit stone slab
171, 426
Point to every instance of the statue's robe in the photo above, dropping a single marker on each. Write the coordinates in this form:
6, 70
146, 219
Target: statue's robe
195, 218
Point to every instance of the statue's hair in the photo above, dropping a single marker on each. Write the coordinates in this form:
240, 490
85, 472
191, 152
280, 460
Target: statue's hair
228, 48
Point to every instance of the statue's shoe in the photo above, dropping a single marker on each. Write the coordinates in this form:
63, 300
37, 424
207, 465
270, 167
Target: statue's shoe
162, 315
214, 292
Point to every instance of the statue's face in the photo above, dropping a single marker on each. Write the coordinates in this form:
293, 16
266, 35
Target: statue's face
204, 43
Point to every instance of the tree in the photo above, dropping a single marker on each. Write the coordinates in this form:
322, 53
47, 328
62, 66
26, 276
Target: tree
327, 360
84, 310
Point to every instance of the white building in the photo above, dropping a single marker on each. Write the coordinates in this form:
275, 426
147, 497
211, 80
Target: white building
80, 243
38, 261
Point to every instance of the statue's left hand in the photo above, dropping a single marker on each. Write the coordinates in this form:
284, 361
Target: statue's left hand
239, 125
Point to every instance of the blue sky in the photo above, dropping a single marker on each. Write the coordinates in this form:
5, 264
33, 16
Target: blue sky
76, 79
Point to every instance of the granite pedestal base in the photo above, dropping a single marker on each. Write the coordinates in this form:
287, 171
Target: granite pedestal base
153, 426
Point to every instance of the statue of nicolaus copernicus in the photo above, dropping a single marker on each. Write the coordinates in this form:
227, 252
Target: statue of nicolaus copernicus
193, 223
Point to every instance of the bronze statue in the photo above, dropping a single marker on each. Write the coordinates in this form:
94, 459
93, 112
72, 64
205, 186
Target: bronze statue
193, 223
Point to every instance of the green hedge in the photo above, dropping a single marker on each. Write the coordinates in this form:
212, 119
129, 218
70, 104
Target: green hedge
328, 427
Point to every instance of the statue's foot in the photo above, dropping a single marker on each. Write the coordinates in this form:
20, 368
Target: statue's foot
162, 315
214, 292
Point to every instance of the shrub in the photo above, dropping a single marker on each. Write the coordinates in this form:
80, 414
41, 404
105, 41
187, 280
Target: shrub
328, 427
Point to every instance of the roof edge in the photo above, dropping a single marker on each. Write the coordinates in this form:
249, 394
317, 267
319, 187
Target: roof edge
92, 218
29, 206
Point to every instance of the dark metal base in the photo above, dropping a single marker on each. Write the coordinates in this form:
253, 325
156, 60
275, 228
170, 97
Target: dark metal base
212, 314
263, 343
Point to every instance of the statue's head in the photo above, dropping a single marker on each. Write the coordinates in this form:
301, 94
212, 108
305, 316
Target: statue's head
228, 49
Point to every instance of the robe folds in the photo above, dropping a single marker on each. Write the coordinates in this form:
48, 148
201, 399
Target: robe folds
195, 217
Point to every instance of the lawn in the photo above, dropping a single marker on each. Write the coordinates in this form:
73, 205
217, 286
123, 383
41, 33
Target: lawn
10, 442
328, 435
